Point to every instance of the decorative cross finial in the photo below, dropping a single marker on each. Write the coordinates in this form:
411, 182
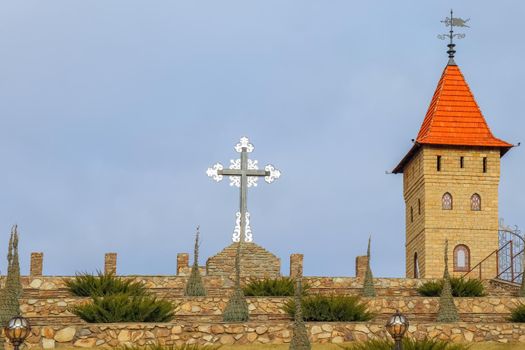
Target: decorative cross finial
243, 173
453, 22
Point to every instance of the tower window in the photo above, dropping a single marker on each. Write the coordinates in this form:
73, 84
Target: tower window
461, 258
438, 163
484, 164
416, 266
446, 201
475, 202
411, 214
419, 206
461, 162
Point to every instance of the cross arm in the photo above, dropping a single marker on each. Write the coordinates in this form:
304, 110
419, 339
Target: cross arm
237, 172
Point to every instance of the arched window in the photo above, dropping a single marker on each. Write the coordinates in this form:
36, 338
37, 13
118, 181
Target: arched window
475, 202
416, 266
446, 201
461, 258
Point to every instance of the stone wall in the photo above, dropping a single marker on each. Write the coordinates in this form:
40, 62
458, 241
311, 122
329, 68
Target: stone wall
112, 335
271, 308
255, 262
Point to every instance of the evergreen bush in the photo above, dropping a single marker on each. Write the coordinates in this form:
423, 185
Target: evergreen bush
518, 314
300, 340
125, 308
237, 307
195, 286
331, 308
89, 285
273, 287
408, 344
368, 284
114, 299
460, 288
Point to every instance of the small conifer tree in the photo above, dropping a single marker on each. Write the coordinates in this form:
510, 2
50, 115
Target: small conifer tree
237, 307
195, 285
300, 339
9, 303
447, 309
368, 285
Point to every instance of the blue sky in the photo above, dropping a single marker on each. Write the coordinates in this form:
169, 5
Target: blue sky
111, 112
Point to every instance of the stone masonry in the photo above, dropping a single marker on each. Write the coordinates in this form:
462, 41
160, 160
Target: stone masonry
296, 265
37, 259
183, 264
428, 225
360, 266
110, 263
255, 262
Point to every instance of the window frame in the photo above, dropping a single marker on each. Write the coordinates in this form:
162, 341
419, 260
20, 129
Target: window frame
443, 201
466, 250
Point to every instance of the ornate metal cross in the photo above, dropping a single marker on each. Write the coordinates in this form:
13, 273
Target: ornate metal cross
243, 173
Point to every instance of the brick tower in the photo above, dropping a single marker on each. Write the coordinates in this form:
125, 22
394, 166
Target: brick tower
450, 184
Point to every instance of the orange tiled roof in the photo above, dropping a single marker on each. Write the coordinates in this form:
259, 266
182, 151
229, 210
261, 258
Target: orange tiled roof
454, 118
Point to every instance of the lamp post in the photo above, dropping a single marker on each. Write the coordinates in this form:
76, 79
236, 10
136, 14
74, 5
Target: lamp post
17, 330
397, 326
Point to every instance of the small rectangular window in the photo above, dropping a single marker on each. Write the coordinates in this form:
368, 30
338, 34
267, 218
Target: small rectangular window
419, 206
461, 162
411, 214
438, 165
484, 164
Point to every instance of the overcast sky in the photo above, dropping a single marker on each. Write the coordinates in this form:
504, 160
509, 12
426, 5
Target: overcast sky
111, 112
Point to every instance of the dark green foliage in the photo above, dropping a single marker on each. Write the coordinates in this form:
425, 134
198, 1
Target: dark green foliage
273, 287
300, 339
460, 288
9, 295
89, 285
368, 284
115, 299
331, 308
237, 307
447, 309
408, 344
169, 347
518, 314
125, 308
195, 286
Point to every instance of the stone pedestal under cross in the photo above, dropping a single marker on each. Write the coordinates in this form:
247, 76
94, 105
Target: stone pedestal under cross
243, 173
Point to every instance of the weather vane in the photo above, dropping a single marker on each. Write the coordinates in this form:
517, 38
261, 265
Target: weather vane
453, 22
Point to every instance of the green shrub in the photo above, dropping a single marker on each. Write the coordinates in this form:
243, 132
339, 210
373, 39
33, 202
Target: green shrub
408, 344
88, 285
169, 347
125, 308
460, 288
331, 308
518, 314
272, 287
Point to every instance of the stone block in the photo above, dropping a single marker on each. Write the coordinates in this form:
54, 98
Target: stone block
36, 266
360, 266
296, 265
183, 263
110, 263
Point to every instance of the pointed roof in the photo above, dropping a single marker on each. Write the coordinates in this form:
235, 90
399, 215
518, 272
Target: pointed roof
454, 118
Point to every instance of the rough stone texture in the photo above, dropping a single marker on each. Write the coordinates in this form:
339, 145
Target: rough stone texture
112, 335
427, 228
183, 264
296, 265
110, 263
207, 309
255, 262
360, 266
36, 266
